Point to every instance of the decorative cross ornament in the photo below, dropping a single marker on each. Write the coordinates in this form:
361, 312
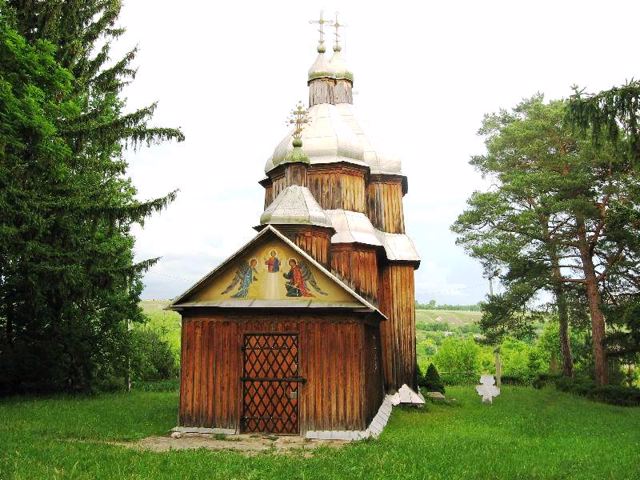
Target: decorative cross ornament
299, 118
487, 388
321, 22
336, 24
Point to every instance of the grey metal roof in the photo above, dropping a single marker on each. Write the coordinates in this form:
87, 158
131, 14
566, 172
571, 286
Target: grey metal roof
295, 205
334, 133
320, 66
355, 227
380, 162
234, 303
325, 139
398, 246
352, 227
338, 65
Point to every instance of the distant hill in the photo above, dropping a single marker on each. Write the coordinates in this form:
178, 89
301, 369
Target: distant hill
453, 317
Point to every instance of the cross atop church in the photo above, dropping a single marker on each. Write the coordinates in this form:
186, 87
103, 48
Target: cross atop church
299, 118
321, 22
336, 24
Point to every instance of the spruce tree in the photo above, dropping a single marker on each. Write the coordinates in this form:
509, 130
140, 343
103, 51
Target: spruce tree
69, 283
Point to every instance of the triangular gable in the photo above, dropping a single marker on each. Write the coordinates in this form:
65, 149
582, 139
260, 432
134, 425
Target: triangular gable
271, 271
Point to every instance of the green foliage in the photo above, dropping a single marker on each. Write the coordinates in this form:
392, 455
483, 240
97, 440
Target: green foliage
458, 359
431, 381
561, 217
152, 358
526, 433
68, 281
611, 113
613, 394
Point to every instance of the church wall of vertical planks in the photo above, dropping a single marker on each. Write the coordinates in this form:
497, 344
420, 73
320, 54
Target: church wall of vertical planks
310, 324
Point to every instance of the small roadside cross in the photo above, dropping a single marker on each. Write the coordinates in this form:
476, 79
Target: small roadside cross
487, 388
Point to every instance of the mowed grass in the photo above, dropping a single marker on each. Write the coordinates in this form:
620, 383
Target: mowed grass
526, 433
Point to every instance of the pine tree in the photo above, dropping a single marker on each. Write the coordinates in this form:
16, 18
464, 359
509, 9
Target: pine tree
432, 381
69, 283
563, 214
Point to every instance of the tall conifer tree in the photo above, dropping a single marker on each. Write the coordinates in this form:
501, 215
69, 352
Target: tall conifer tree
69, 282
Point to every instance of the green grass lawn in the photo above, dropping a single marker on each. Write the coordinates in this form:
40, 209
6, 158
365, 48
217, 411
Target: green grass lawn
526, 434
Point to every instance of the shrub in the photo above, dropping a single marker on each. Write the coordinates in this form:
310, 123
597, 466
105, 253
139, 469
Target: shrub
612, 394
457, 355
151, 356
431, 381
515, 380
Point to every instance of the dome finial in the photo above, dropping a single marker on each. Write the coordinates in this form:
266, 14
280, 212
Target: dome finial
336, 24
299, 117
321, 22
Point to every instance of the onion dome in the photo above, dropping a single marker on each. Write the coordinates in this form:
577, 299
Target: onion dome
378, 161
295, 205
338, 66
320, 68
326, 139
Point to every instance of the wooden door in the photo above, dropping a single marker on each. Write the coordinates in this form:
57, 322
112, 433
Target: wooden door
270, 383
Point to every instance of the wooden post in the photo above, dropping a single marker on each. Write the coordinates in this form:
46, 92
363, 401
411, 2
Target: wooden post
498, 368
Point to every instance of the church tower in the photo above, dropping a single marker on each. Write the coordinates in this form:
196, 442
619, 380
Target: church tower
337, 197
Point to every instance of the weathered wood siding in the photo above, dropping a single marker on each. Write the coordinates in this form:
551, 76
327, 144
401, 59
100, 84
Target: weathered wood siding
374, 383
358, 265
397, 302
332, 357
316, 241
384, 204
268, 194
321, 91
334, 186
338, 186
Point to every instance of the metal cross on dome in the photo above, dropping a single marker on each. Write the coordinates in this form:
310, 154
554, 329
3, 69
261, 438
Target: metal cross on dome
336, 24
299, 118
321, 22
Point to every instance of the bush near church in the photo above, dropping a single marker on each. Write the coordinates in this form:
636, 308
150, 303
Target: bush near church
431, 381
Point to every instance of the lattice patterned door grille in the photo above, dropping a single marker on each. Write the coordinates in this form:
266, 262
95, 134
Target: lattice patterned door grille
270, 383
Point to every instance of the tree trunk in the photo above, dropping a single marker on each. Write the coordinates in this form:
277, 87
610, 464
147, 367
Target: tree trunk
561, 303
593, 299
563, 318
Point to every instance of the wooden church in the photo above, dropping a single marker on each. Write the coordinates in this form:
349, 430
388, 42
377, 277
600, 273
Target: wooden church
310, 324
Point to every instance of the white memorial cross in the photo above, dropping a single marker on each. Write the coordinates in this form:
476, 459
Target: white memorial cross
487, 388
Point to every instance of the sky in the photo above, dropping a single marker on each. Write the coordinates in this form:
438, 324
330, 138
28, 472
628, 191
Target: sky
425, 74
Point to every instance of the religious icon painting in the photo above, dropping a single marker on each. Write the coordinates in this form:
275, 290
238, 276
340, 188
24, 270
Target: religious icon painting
245, 276
298, 278
272, 261
272, 278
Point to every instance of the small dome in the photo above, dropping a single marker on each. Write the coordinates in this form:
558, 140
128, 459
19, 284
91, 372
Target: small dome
320, 68
338, 66
295, 205
325, 139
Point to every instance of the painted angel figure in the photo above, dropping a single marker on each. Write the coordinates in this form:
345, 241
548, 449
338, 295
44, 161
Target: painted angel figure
487, 388
298, 276
245, 276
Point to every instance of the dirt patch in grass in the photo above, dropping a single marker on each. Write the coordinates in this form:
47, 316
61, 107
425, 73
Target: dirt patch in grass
245, 443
